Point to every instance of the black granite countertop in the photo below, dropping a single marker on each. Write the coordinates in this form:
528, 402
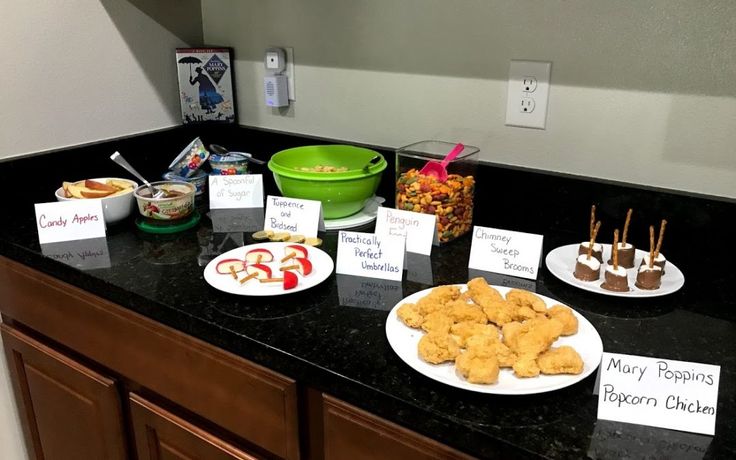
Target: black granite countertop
332, 337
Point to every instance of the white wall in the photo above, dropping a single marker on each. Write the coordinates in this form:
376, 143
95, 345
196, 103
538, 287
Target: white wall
642, 92
77, 71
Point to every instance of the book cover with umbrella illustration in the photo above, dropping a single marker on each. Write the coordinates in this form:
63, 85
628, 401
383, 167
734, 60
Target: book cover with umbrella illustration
205, 85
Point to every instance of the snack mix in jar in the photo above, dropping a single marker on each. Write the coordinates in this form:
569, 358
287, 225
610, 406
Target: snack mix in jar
451, 201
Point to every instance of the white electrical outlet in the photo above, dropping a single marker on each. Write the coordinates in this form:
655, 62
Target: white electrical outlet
528, 94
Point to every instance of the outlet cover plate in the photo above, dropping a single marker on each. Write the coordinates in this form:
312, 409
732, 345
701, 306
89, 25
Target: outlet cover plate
518, 93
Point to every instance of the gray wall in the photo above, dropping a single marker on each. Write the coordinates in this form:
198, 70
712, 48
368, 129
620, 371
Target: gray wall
642, 91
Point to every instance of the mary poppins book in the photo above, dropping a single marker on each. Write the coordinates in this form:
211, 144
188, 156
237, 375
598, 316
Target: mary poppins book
205, 85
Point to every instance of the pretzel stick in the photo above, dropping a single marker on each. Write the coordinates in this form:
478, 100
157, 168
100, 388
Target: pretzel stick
651, 247
615, 250
233, 272
660, 239
593, 234
258, 259
592, 221
626, 228
289, 267
249, 277
271, 280
290, 256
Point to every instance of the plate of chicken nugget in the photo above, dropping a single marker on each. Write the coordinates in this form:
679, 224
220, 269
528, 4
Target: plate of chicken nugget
493, 339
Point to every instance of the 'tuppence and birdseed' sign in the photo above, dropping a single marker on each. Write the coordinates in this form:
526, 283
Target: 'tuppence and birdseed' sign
659, 392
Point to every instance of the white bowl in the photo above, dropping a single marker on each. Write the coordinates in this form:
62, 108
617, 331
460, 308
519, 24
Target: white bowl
114, 208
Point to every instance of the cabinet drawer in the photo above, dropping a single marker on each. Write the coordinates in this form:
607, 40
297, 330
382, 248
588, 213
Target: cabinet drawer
246, 399
159, 434
353, 433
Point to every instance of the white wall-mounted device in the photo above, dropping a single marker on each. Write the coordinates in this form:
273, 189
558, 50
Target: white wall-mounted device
528, 94
275, 83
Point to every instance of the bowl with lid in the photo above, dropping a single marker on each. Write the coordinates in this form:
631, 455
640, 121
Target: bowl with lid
342, 177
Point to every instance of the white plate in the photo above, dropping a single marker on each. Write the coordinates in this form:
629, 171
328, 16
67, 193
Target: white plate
362, 217
404, 340
322, 266
561, 262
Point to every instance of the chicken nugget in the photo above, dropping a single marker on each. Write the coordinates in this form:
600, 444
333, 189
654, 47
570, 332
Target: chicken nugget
427, 305
478, 367
538, 338
466, 329
524, 298
524, 313
409, 315
565, 316
437, 347
499, 312
479, 287
460, 311
446, 293
481, 340
437, 322
526, 366
504, 355
562, 360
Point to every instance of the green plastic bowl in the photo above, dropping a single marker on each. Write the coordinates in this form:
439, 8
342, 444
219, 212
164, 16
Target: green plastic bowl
341, 193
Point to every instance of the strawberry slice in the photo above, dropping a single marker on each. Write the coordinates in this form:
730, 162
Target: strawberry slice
257, 256
223, 267
262, 271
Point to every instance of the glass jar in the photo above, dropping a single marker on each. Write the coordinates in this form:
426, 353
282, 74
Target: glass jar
452, 200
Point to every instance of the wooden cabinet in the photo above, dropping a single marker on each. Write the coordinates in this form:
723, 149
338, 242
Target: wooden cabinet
69, 410
161, 435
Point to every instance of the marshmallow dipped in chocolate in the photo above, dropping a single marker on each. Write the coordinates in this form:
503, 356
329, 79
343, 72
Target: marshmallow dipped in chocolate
587, 266
596, 250
626, 251
616, 278
649, 276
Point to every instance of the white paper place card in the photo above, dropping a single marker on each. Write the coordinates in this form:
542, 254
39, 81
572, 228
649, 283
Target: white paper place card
503, 251
87, 254
293, 215
370, 255
236, 191
69, 220
659, 392
420, 230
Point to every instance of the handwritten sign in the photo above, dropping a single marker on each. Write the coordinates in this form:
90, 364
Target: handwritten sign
507, 252
370, 255
69, 220
237, 191
293, 215
659, 392
355, 291
419, 229
86, 254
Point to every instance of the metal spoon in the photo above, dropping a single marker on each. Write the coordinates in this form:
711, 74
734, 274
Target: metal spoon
220, 150
117, 158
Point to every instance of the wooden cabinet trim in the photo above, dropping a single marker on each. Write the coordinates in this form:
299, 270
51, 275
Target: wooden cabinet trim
246, 399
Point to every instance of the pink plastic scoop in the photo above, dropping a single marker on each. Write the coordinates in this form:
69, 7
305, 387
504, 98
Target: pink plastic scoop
438, 169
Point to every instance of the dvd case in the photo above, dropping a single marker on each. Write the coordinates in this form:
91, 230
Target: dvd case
206, 85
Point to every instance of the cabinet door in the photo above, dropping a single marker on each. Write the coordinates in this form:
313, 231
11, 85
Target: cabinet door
68, 410
161, 435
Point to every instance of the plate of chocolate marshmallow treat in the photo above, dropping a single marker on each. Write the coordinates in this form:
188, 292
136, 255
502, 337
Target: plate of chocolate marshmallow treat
631, 276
